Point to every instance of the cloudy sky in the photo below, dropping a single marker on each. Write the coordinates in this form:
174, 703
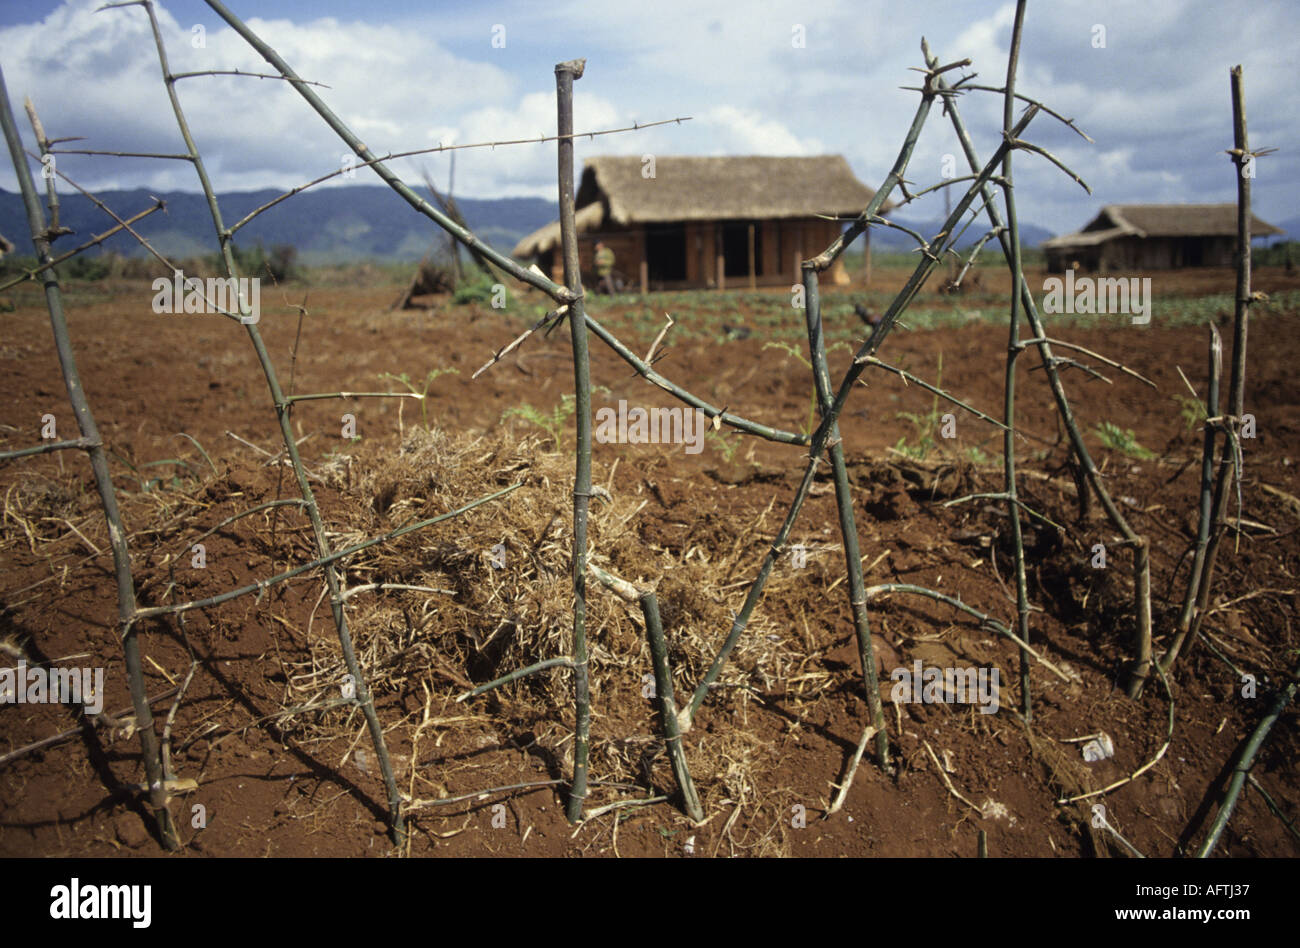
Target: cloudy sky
1148, 81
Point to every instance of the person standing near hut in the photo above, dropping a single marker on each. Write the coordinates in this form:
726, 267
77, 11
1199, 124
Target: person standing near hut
604, 268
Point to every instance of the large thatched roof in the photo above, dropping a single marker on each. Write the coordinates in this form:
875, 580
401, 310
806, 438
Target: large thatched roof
753, 187
1160, 220
587, 219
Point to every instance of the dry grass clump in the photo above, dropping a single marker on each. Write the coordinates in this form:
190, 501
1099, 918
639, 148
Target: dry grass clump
496, 595
38, 508
460, 603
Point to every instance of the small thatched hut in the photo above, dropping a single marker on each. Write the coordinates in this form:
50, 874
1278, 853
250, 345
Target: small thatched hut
1153, 237
706, 222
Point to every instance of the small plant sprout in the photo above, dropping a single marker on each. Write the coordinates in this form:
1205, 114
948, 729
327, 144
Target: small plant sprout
553, 424
419, 391
1123, 441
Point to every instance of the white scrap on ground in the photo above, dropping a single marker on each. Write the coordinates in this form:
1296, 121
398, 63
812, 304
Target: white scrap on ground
1099, 748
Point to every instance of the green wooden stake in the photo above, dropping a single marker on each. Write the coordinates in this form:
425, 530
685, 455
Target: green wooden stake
868, 349
863, 358
282, 408
1009, 384
1205, 513
1245, 761
1229, 470
654, 631
1089, 470
848, 523
94, 447
565, 74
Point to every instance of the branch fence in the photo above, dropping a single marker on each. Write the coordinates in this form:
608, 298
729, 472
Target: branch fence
989, 177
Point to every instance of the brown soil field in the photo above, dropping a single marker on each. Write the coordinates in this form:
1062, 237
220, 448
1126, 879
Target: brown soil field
771, 744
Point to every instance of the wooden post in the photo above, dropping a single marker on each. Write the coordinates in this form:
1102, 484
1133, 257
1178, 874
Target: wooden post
565, 75
702, 257
796, 232
719, 259
752, 283
643, 259
692, 250
866, 257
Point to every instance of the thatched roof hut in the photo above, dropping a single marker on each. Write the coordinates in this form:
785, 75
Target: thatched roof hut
1153, 237
689, 222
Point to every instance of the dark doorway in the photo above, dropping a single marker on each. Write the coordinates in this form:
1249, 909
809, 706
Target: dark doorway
665, 253
1193, 252
735, 248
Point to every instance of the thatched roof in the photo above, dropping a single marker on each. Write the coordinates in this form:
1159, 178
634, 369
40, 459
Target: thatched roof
587, 219
703, 189
1160, 220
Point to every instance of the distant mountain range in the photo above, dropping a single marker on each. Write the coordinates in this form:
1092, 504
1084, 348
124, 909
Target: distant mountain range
890, 240
356, 222
1292, 228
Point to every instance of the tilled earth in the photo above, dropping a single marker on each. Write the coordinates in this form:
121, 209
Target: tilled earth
770, 747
